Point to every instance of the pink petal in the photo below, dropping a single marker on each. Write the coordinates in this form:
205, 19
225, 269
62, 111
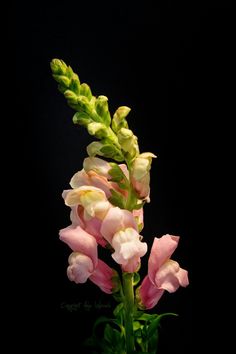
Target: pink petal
127, 245
128, 249
99, 182
64, 193
79, 179
132, 265
161, 251
91, 226
149, 294
170, 276
75, 217
80, 241
115, 220
102, 276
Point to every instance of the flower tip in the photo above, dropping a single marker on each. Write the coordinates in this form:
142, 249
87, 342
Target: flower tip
58, 66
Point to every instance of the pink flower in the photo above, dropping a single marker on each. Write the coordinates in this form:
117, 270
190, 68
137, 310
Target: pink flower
80, 268
163, 273
102, 276
119, 228
80, 241
95, 173
83, 262
91, 226
92, 199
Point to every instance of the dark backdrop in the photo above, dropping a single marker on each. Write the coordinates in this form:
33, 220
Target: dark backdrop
172, 67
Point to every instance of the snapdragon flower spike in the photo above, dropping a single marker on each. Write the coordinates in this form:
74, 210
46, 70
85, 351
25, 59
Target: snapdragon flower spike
119, 228
83, 262
163, 273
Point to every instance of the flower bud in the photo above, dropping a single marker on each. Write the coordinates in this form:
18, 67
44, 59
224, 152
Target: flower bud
101, 106
85, 91
97, 129
128, 141
119, 120
58, 67
94, 149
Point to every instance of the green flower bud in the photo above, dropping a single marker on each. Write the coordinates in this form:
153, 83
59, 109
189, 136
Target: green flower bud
69, 72
70, 96
83, 104
85, 91
101, 106
58, 67
97, 129
63, 80
93, 149
128, 142
81, 118
75, 84
105, 148
119, 120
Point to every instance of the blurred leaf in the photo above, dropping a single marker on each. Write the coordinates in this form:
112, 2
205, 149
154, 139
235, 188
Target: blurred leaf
118, 309
136, 325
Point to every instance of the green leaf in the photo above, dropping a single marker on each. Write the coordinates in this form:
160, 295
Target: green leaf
136, 325
118, 309
116, 172
117, 199
117, 297
152, 343
108, 335
142, 316
152, 328
114, 338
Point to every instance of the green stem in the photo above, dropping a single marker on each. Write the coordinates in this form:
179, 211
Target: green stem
129, 310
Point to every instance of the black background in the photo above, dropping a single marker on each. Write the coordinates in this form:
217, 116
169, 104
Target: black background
172, 66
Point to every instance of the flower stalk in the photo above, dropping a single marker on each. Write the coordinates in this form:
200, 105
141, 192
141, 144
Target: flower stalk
129, 310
